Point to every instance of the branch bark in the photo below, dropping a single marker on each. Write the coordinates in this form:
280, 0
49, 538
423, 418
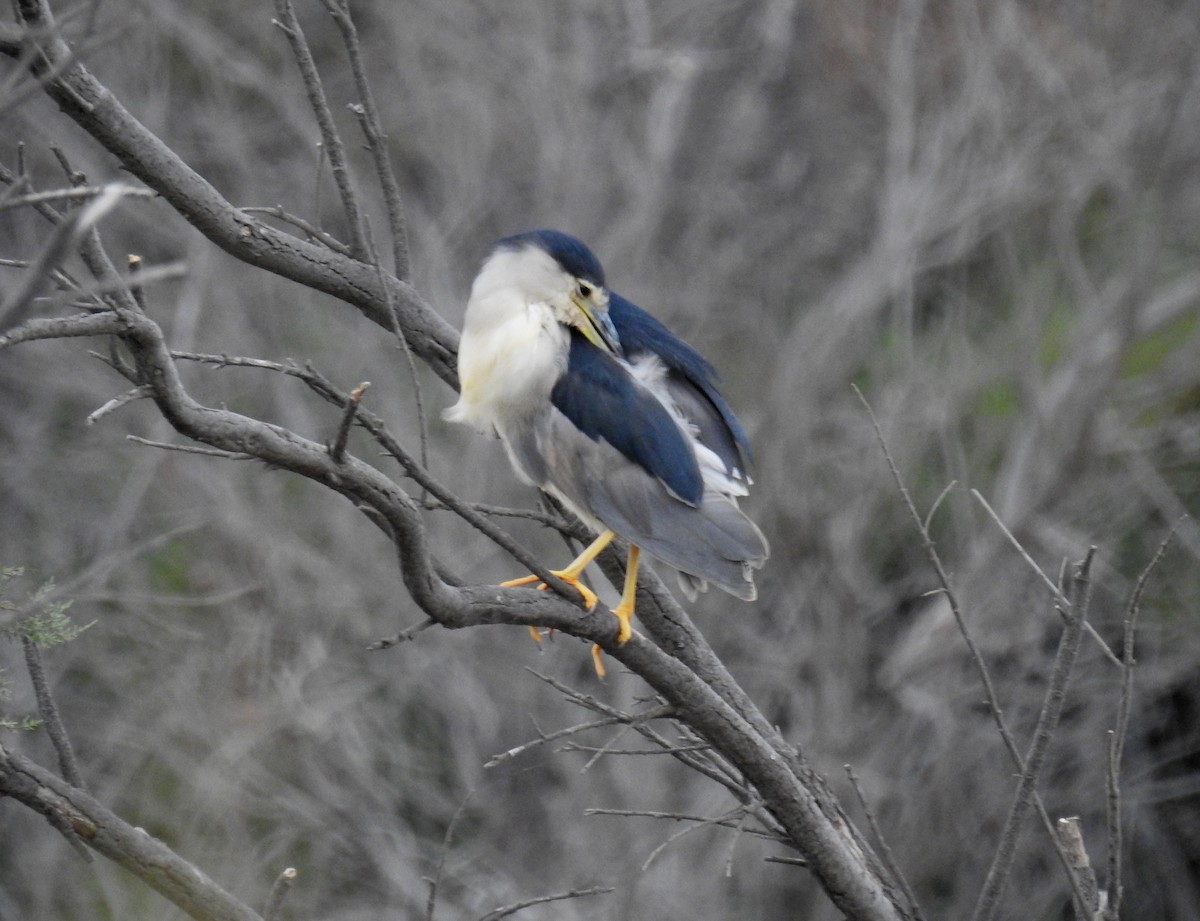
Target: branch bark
76, 814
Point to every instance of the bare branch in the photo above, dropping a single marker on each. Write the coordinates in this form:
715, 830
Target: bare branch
313, 233
1116, 746
49, 713
885, 852
67, 807
88, 324
66, 237
985, 678
624, 719
1056, 692
100, 114
78, 194
1088, 904
372, 127
190, 449
1054, 589
338, 449
724, 821
507, 910
130, 396
330, 139
404, 636
431, 901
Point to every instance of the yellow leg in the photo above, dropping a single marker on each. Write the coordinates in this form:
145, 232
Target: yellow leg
571, 575
623, 611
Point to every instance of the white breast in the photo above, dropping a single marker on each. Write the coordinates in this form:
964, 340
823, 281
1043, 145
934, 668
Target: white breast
510, 356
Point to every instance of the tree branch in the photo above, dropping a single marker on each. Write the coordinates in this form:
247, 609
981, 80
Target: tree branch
67, 807
90, 104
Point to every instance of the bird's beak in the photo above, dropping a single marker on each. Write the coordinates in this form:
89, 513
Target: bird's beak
594, 323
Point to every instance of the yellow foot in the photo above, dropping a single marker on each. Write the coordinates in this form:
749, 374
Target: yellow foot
624, 616
598, 661
589, 597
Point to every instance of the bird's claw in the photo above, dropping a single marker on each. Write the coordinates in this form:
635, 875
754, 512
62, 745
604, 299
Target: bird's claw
590, 599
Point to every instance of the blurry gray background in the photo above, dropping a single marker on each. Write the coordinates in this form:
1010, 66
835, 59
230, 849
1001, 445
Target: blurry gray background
984, 215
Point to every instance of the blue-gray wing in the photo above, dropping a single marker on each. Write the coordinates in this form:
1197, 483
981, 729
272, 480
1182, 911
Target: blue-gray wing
691, 381
600, 397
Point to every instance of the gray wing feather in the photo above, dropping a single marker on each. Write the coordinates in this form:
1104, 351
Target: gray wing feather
712, 542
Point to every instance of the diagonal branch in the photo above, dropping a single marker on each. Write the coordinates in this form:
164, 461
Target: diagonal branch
98, 112
67, 807
330, 139
372, 127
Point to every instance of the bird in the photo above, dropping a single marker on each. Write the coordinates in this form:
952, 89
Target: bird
600, 405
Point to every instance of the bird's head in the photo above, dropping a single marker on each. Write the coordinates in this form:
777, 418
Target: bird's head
553, 268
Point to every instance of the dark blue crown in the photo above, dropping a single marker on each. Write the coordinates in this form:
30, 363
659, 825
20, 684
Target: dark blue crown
575, 258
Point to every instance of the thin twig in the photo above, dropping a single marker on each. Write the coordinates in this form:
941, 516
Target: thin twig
625, 719
402, 338
599, 751
139, 278
1116, 746
684, 817
314, 233
405, 636
73, 194
985, 677
787, 861
608, 750
718, 772
431, 902
504, 912
67, 764
725, 819
1076, 610
137, 393
1058, 595
137, 268
330, 139
190, 449
66, 237
372, 127
889, 859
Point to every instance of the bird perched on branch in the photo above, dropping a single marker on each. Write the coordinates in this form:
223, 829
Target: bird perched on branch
601, 406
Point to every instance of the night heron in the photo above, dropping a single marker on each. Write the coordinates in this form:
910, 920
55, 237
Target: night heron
601, 406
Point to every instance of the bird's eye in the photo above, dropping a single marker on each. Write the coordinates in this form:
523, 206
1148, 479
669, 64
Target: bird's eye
584, 289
